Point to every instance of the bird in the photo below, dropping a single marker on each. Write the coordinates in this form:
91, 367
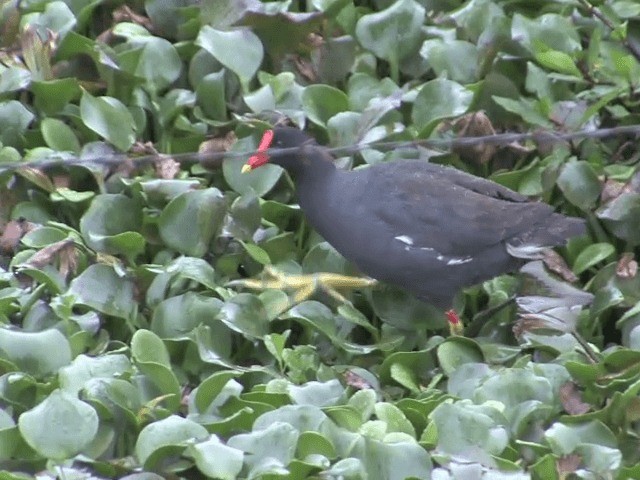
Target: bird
430, 229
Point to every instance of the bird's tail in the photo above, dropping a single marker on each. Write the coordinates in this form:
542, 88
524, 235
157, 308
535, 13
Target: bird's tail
554, 231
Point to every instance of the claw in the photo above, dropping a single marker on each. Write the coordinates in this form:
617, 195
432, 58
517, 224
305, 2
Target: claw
303, 286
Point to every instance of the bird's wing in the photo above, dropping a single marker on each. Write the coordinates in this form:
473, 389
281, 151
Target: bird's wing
447, 210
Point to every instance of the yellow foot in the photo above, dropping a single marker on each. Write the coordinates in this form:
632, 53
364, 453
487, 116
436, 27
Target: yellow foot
303, 286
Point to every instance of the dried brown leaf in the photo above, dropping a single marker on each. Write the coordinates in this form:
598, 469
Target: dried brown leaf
568, 464
356, 381
571, 399
305, 68
46, 255
13, 233
167, 168
627, 266
554, 262
475, 124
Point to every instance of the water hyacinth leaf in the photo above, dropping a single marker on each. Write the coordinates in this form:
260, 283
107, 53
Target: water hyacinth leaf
37, 353
320, 394
101, 288
239, 50
393, 33
211, 96
215, 459
211, 387
13, 79
457, 351
109, 118
111, 225
246, 315
554, 31
51, 96
171, 431
15, 119
592, 255
198, 212
84, 368
456, 59
393, 460
59, 136
176, 317
321, 102
59, 427
152, 359
439, 99
156, 61
463, 427
579, 183
268, 449
195, 269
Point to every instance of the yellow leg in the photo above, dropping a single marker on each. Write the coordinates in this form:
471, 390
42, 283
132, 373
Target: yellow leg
303, 286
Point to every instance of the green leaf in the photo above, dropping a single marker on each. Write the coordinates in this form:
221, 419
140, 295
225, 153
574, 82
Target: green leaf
579, 183
111, 225
191, 220
592, 255
257, 253
558, 62
37, 353
239, 50
171, 431
457, 60
437, 100
59, 135
215, 459
109, 118
321, 102
59, 427
211, 96
394, 33
101, 288
14, 118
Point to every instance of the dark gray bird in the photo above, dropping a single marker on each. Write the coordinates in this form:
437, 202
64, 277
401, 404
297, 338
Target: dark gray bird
427, 228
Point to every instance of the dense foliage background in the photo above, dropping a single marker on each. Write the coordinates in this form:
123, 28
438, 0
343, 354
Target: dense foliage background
123, 347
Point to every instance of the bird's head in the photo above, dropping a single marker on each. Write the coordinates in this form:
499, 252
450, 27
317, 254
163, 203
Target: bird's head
279, 138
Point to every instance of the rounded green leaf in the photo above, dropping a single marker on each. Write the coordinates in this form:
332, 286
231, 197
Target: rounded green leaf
15, 119
190, 221
211, 98
558, 62
59, 427
110, 225
109, 118
37, 353
59, 136
239, 50
439, 99
457, 351
101, 288
393, 33
592, 255
321, 102
579, 184
172, 430
216, 460
456, 59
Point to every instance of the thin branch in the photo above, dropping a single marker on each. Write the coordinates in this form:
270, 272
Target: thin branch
214, 159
